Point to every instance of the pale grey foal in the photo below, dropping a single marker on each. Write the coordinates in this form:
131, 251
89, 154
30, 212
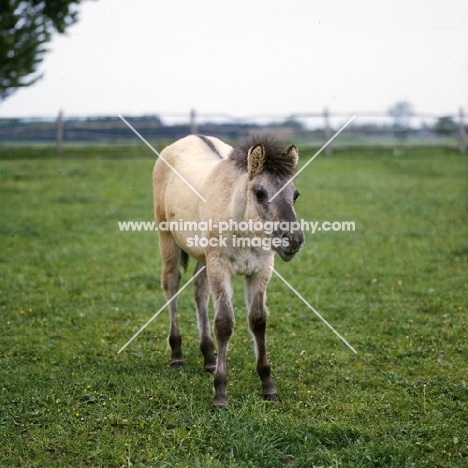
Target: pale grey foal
237, 184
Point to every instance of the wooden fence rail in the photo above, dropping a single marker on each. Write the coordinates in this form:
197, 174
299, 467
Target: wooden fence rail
326, 116
313, 129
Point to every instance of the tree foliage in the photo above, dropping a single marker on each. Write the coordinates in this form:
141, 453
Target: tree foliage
401, 113
25, 27
446, 126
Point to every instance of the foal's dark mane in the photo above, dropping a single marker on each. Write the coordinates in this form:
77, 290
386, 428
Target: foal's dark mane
275, 163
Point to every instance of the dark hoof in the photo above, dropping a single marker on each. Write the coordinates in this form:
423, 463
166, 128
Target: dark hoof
178, 363
271, 397
209, 363
220, 402
220, 407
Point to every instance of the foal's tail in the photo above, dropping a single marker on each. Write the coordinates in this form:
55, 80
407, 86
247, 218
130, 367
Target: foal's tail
184, 259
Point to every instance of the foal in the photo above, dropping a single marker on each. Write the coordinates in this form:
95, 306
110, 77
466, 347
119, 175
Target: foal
237, 184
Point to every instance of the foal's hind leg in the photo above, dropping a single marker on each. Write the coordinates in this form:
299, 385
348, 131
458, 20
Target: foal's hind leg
170, 253
201, 292
255, 292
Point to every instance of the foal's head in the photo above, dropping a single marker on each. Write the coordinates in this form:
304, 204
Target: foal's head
269, 168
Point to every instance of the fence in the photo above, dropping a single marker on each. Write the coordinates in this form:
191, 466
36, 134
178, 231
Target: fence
376, 129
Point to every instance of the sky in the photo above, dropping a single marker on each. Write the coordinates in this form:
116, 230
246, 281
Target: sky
251, 57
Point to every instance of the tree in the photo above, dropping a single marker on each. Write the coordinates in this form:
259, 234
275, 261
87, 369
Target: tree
290, 122
445, 126
401, 112
25, 27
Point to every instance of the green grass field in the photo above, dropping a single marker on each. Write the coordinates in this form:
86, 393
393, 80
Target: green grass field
74, 289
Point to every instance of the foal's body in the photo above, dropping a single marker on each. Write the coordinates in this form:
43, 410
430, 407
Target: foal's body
231, 187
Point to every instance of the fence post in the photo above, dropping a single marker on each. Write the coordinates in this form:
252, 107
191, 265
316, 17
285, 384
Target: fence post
328, 149
462, 133
59, 132
193, 122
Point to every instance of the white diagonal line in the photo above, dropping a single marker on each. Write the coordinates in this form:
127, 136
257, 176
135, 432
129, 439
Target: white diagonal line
315, 312
312, 158
161, 309
175, 170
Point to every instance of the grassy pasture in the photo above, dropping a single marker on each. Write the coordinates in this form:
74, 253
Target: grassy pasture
74, 289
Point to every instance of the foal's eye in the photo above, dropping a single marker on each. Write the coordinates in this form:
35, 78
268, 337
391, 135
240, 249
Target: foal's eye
260, 195
296, 194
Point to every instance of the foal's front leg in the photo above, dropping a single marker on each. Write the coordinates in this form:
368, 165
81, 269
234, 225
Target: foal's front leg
255, 292
220, 285
201, 292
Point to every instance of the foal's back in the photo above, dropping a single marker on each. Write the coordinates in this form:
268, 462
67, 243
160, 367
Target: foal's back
192, 158
195, 149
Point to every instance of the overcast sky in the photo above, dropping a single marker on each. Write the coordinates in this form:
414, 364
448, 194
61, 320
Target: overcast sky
248, 57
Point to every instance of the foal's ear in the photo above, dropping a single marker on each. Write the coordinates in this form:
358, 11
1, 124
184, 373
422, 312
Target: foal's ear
255, 160
291, 153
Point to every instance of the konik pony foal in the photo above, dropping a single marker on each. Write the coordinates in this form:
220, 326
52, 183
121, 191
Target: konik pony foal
237, 184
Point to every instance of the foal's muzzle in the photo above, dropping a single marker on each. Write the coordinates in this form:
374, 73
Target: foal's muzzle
291, 243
